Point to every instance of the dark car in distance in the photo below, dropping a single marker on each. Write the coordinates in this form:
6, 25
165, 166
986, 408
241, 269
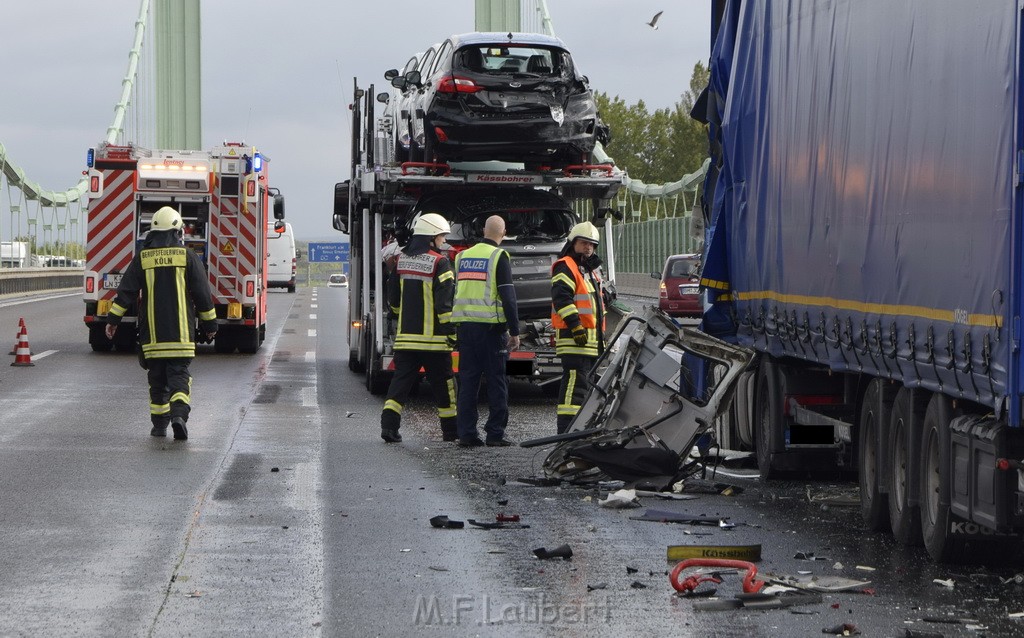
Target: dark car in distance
679, 295
515, 97
537, 224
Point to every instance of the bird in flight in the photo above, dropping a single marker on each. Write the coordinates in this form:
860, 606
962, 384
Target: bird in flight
654, 21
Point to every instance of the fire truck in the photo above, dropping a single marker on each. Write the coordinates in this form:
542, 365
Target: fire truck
378, 204
224, 198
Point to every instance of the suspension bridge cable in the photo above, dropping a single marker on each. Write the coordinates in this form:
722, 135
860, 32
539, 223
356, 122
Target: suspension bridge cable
33, 191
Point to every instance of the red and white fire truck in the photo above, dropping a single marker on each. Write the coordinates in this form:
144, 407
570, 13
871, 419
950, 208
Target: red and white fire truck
224, 199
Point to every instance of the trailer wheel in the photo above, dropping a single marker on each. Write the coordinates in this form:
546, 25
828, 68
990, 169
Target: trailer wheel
942, 546
353, 362
875, 410
769, 418
248, 341
904, 435
376, 378
98, 338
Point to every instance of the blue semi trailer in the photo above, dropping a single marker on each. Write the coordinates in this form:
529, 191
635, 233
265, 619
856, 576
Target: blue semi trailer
865, 237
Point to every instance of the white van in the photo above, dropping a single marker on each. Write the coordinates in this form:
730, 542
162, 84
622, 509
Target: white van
281, 258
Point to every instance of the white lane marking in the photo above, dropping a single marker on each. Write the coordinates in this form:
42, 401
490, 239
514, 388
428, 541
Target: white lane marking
311, 333
313, 305
309, 397
312, 316
45, 353
310, 356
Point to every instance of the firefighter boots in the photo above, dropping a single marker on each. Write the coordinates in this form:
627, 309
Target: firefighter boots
180, 431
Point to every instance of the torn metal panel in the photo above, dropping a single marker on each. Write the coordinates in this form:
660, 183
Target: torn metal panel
656, 390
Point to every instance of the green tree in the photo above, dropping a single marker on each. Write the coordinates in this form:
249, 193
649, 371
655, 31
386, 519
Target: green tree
659, 146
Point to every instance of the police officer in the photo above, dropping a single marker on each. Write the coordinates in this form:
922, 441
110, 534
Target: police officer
487, 317
174, 288
422, 299
578, 317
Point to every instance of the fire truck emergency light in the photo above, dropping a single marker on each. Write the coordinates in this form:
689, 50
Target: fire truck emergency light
257, 163
90, 157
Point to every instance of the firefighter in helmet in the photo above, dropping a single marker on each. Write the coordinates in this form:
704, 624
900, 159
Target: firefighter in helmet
577, 316
422, 294
175, 291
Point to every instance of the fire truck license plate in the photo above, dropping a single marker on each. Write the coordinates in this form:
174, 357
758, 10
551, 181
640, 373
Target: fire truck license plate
111, 281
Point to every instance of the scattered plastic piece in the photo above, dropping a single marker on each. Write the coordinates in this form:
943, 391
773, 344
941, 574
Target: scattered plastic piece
443, 522
666, 495
597, 586
750, 553
917, 633
507, 518
822, 583
845, 629
665, 516
562, 551
865, 568
620, 500
636, 584
945, 583
497, 525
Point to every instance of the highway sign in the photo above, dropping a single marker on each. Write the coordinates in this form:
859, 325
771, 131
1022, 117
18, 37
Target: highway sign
328, 252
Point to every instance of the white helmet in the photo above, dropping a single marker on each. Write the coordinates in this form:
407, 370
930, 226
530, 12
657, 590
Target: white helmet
431, 225
166, 218
584, 230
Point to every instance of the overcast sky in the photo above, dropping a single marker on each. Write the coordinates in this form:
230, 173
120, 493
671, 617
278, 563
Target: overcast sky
278, 74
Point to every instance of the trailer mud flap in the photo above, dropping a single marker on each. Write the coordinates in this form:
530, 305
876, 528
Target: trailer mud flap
653, 394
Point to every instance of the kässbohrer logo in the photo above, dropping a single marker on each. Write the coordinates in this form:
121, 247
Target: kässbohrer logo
505, 179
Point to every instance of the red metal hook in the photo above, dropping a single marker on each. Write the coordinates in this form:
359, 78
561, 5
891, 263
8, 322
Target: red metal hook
690, 583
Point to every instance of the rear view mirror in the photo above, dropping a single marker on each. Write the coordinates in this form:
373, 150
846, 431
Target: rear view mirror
656, 275
278, 206
279, 226
391, 74
383, 98
340, 218
413, 78
399, 83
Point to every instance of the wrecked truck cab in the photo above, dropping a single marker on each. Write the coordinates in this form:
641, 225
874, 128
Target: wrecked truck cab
655, 391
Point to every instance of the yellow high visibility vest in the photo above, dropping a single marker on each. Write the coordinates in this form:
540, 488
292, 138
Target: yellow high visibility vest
476, 285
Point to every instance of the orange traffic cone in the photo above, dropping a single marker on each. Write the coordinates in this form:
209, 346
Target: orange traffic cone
17, 336
22, 355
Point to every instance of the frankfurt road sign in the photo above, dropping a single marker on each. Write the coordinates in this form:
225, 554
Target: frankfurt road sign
328, 252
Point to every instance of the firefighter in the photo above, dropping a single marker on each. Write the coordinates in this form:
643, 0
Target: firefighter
577, 316
487, 317
174, 288
422, 297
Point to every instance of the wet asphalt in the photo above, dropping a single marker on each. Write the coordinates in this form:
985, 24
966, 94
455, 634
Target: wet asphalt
286, 514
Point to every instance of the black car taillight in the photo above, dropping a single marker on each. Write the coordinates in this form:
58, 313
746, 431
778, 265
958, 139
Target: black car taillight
455, 84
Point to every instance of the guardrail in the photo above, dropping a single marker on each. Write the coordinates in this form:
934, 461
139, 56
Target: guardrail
22, 280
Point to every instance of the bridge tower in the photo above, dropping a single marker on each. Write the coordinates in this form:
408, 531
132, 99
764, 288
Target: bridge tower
498, 15
176, 41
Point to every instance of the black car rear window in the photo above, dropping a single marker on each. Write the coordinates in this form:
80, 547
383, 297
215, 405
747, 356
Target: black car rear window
498, 59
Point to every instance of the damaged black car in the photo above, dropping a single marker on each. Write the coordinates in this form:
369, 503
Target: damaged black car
511, 97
